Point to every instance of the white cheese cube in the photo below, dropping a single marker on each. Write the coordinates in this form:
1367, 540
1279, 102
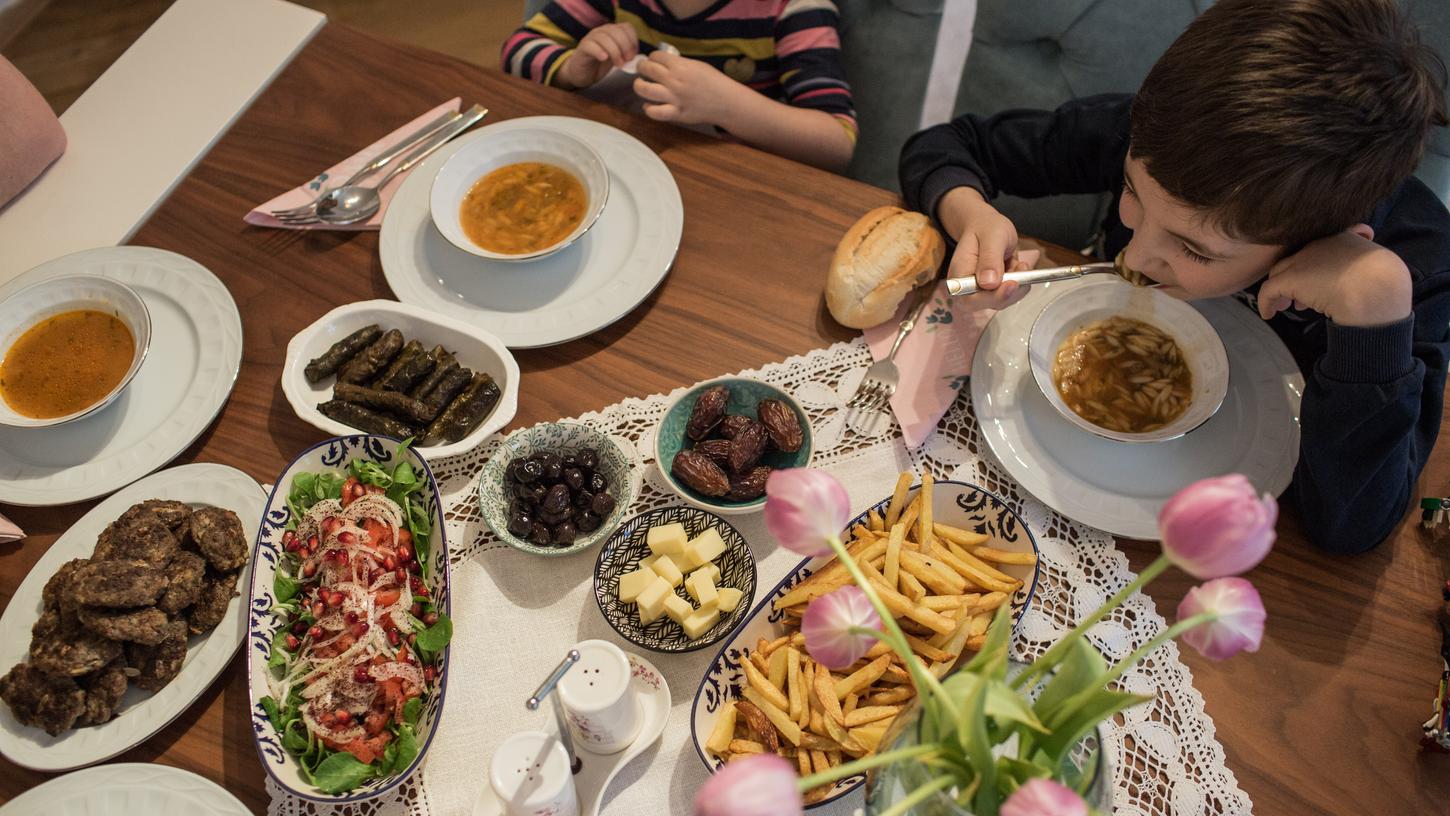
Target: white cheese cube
707, 546
727, 599
701, 588
678, 608
631, 584
666, 569
711, 570
701, 622
668, 539
652, 600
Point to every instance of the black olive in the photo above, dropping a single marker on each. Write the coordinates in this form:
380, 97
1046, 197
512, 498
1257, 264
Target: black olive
537, 492
521, 524
589, 458
555, 500
587, 521
570, 460
597, 483
565, 534
583, 498
549, 458
557, 518
531, 471
574, 478
540, 535
603, 505
512, 471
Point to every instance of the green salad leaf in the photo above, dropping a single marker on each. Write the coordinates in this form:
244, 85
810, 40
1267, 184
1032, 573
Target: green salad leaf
341, 772
412, 710
285, 587
432, 639
274, 714
407, 749
278, 656
309, 489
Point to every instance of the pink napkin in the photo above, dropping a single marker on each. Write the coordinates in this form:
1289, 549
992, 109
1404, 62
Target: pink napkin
336, 173
935, 359
9, 532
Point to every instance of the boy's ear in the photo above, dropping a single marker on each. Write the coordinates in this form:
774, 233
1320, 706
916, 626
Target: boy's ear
1364, 231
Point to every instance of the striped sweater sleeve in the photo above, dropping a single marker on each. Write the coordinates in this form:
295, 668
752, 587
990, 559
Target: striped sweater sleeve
808, 45
538, 48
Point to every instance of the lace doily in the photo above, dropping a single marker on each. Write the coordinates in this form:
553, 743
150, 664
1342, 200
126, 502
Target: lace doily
516, 614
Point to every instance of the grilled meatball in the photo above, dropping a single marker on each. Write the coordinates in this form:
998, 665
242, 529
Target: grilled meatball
116, 583
137, 536
174, 514
157, 665
183, 582
104, 691
217, 591
67, 649
219, 534
52, 596
42, 700
146, 625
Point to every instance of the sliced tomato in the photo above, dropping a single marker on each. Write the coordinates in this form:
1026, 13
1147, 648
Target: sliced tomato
351, 489
387, 597
367, 749
405, 537
336, 646
379, 535
375, 722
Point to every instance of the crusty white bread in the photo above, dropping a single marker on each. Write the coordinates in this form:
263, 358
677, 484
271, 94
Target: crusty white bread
881, 258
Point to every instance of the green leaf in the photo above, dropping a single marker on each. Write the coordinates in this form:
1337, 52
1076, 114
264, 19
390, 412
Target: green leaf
1069, 726
274, 714
1002, 704
294, 739
435, 637
412, 710
991, 661
308, 489
285, 587
341, 772
407, 749
1080, 669
278, 656
976, 743
370, 473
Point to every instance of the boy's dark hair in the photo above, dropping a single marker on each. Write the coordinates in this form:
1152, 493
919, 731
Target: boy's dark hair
1288, 120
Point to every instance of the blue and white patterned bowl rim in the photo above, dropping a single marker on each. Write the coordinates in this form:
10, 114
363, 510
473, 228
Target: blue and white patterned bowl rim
850, 784
269, 747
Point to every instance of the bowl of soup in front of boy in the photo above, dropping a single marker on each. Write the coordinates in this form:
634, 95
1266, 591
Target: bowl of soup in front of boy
519, 195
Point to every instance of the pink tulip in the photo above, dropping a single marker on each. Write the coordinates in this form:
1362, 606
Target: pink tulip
1218, 527
804, 508
760, 785
1239, 626
1044, 797
828, 622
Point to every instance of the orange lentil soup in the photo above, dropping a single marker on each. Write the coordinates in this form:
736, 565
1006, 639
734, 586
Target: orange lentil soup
523, 208
65, 363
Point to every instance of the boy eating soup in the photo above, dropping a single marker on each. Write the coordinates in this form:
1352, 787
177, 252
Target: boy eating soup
1269, 154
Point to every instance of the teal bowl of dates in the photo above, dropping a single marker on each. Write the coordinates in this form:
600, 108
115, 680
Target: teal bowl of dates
557, 488
719, 442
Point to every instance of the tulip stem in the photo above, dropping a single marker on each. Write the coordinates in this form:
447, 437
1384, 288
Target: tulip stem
919, 795
865, 764
1138, 654
1058, 649
894, 637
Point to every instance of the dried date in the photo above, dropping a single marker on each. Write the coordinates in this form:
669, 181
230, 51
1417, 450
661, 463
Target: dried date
717, 449
782, 424
749, 486
700, 474
709, 408
731, 425
747, 447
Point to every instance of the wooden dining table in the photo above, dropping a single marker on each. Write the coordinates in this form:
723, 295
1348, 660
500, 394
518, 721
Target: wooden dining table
1325, 718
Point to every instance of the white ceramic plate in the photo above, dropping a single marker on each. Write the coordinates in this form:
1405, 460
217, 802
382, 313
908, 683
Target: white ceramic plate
142, 713
474, 348
128, 787
955, 503
571, 293
196, 350
1119, 487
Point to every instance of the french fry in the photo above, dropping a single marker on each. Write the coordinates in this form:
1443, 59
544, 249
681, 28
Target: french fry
951, 556
937, 577
777, 717
874, 522
763, 686
979, 564
741, 746
870, 714
877, 649
891, 696
793, 682
911, 587
807, 678
956, 535
990, 602
803, 760
862, 678
893, 553
860, 531
976, 642
759, 662
777, 673
978, 624
947, 603
1004, 557
825, 691
817, 793
927, 650
908, 517
818, 759
818, 742
818, 722
923, 520
869, 735
953, 643
770, 647
830, 578
852, 700
898, 499
900, 605
724, 730
839, 733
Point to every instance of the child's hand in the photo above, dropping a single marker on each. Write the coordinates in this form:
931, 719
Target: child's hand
602, 49
1346, 277
687, 91
986, 247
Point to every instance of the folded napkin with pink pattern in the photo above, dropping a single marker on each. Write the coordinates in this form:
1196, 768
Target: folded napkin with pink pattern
31, 137
9, 531
935, 360
298, 196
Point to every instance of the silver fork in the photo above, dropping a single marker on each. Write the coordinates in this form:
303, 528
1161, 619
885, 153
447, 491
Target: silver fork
879, 384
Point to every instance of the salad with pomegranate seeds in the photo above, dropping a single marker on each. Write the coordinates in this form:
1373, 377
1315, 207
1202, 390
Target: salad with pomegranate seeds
358, 649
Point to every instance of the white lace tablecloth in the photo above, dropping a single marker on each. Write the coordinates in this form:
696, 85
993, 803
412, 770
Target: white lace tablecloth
515, 616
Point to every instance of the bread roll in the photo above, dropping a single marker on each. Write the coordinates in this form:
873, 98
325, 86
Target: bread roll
882, 257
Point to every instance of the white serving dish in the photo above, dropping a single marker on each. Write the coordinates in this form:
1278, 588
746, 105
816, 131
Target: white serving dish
495, 149
957, 504
141, 713
1098, 300
47, 298
334, 455
475, 349
127, 787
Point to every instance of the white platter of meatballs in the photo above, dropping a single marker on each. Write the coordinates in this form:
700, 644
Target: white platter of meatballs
128, 617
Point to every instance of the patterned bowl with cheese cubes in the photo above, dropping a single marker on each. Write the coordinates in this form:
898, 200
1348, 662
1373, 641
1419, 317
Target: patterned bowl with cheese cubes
627, 563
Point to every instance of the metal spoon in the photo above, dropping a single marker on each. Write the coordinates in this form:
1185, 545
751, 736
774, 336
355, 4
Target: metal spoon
967, 286
355, 202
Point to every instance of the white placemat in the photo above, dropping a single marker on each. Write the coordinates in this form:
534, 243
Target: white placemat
516, 615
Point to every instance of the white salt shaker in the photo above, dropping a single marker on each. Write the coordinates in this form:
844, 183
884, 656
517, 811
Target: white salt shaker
530, 775
603, 712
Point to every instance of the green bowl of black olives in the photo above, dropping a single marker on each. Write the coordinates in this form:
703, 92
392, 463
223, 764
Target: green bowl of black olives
557, 488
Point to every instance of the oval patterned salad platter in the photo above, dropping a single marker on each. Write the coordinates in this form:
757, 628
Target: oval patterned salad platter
957, 504
348, 639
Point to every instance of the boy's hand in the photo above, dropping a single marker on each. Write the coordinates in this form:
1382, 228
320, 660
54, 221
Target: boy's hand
1346, 277
602, 49
986, 247
687, 91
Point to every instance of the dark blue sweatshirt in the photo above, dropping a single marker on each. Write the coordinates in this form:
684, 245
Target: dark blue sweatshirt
1373, 396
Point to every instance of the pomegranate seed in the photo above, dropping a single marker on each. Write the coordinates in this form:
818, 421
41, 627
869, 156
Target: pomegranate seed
350, 616
289, 535
299, 627
318, 610
330, 524
315, 633
359, 629
429, 673
430, 618
394, 638
312, 542
362, 675
325, 718
405, 553
390, 563
292, 643
412, 638
309, 569
346, 538
416, 609
343, 717
401, 574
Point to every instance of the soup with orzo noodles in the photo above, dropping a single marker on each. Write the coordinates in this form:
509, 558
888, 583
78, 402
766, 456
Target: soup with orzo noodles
1123, 375
523, 208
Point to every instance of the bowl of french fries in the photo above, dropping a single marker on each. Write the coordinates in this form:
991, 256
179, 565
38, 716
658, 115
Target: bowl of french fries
942, 555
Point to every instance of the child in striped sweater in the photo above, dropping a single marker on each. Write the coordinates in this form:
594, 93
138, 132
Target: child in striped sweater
766, 72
